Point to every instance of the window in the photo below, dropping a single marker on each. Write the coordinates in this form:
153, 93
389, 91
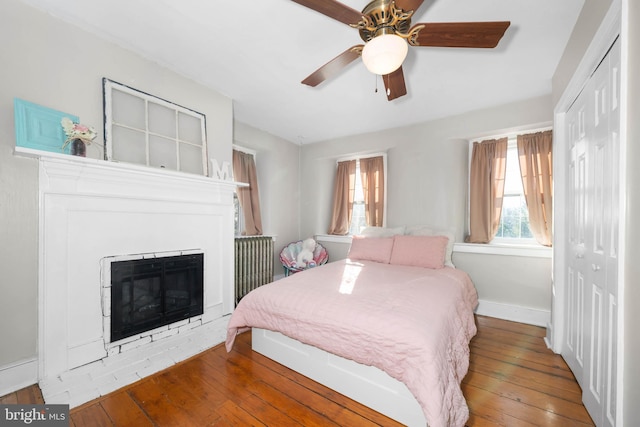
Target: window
359, 194
143, 129
248, 220
514, 221
358, 217
510, 189
238, 215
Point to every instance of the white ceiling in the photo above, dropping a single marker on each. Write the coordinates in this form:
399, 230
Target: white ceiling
257, 52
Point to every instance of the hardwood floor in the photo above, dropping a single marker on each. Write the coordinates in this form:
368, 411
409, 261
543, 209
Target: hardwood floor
513, 380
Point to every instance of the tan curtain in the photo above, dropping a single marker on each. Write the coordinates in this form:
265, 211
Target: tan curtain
488, 167
372, 174
536, 167
244, 170
343, 193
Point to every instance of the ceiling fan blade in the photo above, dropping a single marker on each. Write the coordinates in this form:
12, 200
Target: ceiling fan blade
460, 34
407, 5
334, 66
333, 9
394, 84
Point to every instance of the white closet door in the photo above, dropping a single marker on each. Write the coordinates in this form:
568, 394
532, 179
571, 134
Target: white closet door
600, 366
576, 218
592, 253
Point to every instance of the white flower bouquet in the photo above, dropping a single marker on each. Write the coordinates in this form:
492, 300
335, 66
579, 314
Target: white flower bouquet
77, 131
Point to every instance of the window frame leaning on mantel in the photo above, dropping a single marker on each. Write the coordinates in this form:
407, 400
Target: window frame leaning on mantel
143, 129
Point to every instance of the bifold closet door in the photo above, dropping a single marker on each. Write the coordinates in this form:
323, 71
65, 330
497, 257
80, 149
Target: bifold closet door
593, 188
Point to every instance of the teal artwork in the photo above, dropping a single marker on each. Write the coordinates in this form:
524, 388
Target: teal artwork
39, 127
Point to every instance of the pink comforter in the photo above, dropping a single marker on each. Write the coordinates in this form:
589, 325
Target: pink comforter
413, 323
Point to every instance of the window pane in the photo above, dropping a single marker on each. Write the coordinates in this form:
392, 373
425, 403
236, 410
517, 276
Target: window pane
129, 145
162, 153
162, 120
358, 220
513, 179
189, 129
128, 110
190, 158
514, 222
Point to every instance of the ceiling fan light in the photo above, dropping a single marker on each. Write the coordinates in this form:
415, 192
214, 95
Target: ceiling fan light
384, 54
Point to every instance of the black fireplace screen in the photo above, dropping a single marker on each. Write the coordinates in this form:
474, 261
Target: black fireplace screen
149, 293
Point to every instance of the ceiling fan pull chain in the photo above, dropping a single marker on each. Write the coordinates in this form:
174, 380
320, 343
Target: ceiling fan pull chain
375, 76
388, 86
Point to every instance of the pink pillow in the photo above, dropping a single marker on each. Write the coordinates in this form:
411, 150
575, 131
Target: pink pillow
419, 251
376, 249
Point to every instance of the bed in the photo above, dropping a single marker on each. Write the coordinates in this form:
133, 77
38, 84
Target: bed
389, 326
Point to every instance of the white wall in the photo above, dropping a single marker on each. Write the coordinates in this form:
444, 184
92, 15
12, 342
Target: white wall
427, 184
56, 65
588, 22
278, 181
427, 165
631, 372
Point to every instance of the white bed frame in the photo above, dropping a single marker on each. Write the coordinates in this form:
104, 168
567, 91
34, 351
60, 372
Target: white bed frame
365, 384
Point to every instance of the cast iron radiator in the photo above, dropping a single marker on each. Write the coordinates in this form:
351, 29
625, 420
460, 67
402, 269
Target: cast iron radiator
253, 263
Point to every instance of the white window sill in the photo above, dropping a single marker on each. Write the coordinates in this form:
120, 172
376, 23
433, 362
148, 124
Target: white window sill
332, 238
532, 251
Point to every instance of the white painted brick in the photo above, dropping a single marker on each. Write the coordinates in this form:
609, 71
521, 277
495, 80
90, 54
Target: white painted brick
178, 324
119, 359
157, 364
52, 386
164, 334
152, 332
83, 393
127, 340
74, 377
190, 326
81, 371
129, 379
110, 386
183, 352
134, 344
57, 398
112, 351
126, 371
204, 342
210, 315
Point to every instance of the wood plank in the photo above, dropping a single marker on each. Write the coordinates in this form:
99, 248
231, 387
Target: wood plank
124, 411
232, 415
92, 415
536, 380
31, 395
513, 380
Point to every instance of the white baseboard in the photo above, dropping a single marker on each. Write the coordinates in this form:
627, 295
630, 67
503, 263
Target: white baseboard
18, 375
514, 313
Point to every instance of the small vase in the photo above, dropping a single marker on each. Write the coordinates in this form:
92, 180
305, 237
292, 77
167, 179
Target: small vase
78, 148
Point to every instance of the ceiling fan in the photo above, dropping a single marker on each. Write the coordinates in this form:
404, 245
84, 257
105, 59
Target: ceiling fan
385, 27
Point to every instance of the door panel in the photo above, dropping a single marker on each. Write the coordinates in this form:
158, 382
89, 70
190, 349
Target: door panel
593, 200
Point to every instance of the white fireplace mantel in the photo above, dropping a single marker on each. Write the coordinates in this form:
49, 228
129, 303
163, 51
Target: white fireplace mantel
93, 209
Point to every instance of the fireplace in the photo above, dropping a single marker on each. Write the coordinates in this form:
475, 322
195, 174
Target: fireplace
150, 293
96, 214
